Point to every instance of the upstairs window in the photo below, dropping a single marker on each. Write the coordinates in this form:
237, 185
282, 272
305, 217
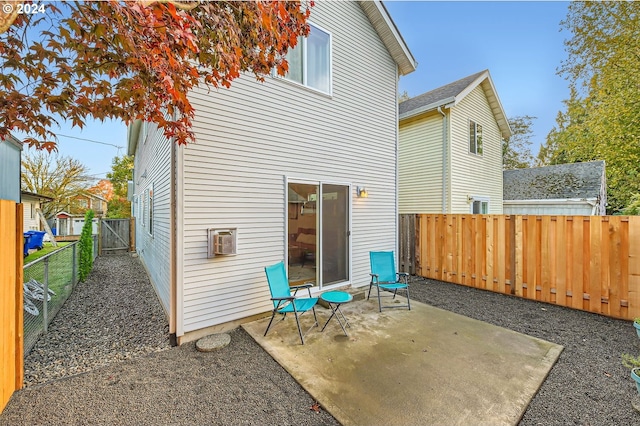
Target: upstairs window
310, 60
475, 138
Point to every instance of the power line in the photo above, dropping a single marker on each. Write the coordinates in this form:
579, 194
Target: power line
91, 140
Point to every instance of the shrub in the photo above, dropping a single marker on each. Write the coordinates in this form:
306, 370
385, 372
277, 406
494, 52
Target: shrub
86, 247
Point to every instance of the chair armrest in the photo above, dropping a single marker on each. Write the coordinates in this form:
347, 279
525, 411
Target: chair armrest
282, 298
298, 287
301, 286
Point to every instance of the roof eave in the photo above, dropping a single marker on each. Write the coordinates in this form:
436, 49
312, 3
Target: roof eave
391, 37
133, 134
447, 103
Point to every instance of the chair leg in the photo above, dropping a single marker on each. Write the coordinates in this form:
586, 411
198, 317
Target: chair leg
299, 329
370, 285
270, 321
379, 301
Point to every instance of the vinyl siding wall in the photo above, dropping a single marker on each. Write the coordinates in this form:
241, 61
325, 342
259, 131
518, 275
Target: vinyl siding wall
420, 164
30, 221
473, 174
253, 136
153, 157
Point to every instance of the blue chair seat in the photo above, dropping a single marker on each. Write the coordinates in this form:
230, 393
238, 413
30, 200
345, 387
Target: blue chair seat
301, 305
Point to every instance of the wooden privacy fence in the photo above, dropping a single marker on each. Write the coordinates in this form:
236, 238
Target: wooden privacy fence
117, 236
590, 263
11, 316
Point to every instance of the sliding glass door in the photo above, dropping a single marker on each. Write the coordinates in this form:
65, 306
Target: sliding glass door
318, 233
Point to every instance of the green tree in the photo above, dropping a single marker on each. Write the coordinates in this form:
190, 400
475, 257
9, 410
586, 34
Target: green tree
516, 150
59, 177
85, 260
602, 117
121, 173
130, 60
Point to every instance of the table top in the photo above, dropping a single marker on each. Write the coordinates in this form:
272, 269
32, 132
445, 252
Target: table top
336, 297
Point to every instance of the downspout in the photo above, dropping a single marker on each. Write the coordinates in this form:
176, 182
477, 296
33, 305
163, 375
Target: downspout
444, 159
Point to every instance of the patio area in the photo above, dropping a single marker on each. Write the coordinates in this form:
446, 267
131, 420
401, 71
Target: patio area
424, 366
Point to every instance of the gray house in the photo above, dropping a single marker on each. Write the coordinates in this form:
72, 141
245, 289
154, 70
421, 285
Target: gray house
564, 189
279, 171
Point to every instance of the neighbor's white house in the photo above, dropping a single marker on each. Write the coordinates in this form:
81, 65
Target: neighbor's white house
274, 176
450, 157
32, 202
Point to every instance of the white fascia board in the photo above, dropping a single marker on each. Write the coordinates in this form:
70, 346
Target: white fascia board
447, 103
133, 135
590, 201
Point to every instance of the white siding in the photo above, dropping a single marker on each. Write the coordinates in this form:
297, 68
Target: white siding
252, 136
30, 220
559, 208
152, 159
474, 175
420, 165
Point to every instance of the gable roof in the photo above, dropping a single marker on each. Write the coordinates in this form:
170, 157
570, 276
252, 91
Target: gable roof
391, 37
451, 94
574, 180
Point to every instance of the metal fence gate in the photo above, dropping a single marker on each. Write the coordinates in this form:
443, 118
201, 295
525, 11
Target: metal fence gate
116, 236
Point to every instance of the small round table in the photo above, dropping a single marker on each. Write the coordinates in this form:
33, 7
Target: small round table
334, 299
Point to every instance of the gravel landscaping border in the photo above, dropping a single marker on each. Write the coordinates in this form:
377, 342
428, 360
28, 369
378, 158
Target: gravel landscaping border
114, 331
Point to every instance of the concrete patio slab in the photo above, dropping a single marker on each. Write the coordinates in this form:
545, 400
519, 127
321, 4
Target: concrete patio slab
400, 367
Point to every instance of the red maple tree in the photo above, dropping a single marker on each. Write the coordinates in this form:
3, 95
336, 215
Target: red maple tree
135, 60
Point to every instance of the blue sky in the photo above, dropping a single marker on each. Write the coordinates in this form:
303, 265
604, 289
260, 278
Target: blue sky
519, 42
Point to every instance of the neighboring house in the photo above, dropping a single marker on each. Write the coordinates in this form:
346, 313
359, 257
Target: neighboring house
450, 157
274, 172
71, 221
10, 163
31, 202
564, 189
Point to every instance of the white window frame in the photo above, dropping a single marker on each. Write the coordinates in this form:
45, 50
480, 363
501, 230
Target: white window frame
150, 212
476, 126
483, 200
302, 44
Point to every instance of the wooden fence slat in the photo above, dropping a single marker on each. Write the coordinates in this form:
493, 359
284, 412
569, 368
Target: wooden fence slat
11, 316
583, 262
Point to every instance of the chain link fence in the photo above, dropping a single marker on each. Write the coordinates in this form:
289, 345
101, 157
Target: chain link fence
48, 283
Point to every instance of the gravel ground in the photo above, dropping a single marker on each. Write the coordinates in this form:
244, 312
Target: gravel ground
113, 328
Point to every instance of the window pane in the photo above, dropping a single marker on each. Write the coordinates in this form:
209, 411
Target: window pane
476, 207
485, 207
294, 58
472, 137
479, 139
318, 63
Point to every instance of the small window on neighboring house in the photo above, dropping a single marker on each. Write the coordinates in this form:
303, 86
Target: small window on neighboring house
475, 138
479, 205
310, 61
83, 203
33, 210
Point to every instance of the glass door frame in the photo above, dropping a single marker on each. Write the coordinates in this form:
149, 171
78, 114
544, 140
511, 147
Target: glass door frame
319, 257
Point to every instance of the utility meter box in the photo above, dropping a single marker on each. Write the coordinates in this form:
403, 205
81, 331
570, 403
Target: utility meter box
221, 242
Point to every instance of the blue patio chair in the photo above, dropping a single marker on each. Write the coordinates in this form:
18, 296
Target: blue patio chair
284, 302
384, 276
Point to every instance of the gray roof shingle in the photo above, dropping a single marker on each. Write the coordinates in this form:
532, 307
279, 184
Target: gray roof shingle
575, 180
437, 95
